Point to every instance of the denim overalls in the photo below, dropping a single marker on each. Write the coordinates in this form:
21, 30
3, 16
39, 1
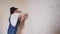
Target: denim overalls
12, 29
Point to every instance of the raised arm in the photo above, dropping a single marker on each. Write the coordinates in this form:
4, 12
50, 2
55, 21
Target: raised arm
22, 18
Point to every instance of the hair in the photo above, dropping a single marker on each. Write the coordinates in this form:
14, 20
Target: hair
12, 10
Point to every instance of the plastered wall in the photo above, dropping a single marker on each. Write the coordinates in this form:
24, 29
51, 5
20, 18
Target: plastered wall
44, 15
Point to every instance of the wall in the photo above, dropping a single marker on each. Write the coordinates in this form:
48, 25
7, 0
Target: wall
44, 15
0, 22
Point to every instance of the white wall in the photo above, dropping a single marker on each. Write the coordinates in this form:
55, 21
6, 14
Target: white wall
44, 15
0, 22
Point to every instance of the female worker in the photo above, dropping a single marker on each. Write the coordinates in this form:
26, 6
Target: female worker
16, 18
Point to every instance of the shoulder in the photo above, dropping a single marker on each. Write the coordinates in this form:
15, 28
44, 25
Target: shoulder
16, 14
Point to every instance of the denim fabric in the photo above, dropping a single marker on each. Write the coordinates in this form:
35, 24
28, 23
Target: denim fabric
12, 29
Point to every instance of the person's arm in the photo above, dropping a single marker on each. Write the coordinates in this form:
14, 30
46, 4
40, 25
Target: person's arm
22, 18
22, 24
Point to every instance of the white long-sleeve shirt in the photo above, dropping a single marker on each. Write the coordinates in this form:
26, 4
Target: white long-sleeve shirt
14, 19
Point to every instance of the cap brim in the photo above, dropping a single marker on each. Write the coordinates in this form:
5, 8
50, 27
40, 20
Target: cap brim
16, 8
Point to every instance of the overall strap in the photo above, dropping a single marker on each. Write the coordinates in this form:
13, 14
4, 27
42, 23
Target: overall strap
9, 19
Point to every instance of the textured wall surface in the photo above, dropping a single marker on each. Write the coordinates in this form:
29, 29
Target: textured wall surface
44, 15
